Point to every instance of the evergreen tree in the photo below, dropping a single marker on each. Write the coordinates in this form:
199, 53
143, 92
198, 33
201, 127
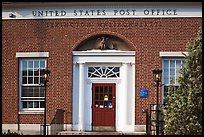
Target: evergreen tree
183, 110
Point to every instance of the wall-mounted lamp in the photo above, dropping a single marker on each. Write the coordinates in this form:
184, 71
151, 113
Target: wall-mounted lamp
45, 73
157, 74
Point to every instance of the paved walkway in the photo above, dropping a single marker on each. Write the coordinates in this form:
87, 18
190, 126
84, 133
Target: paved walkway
100, 133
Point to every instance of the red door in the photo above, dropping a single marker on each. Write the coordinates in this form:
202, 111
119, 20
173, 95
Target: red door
103, 104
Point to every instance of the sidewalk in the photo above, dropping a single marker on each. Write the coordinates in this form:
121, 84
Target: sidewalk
100, 133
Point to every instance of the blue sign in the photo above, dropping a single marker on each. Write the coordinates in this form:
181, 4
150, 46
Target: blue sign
143, 93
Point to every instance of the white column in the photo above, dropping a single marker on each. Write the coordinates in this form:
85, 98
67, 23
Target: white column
75, 96
133, 96
125, 95
81, 97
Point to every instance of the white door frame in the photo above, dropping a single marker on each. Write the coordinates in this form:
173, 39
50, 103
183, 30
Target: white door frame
82, 87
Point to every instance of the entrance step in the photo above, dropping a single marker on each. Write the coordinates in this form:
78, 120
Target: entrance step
99, 133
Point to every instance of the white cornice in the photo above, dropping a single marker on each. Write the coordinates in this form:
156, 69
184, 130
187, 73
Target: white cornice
60, 10
104, 53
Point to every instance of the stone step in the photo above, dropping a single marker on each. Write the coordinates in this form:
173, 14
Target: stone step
99, 133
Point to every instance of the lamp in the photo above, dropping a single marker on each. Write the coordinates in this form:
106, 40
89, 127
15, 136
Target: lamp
45, 73
157, 74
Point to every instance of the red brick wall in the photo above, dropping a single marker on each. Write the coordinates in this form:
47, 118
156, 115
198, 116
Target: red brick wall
59, 37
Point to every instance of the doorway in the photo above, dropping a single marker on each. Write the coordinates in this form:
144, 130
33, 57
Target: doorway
103, 106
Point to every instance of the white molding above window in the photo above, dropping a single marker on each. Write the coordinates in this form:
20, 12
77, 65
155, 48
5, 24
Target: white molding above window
32, 54
172, 54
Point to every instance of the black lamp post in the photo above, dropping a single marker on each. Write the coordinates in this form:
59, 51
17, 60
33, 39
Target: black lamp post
45, 73
157, 73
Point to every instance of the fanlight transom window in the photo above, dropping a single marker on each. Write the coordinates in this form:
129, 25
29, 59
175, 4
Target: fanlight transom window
103, 72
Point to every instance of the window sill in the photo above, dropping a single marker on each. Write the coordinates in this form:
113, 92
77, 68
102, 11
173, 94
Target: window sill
31, 112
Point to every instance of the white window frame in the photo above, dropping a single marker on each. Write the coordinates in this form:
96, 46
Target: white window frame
29, 56
21, 84
171, 56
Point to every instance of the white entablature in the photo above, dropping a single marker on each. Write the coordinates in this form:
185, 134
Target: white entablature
55, 10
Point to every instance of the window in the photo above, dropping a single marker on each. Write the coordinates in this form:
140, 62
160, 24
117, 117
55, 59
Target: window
32, 92
103, 72
171, 72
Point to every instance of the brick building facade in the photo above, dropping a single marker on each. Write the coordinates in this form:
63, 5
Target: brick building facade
152, 39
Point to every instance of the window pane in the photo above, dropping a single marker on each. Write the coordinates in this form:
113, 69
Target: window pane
30, 80
36, 72
24, 72
36, 64
36, 104
36, 92
30, 72
29, 92
110, 104
41, 80
178, 68
172, 71
96, 104
96, 89
96, 97
110, 89
101, 89
30, 64
105, 104
42, 64
42, 92
36, 80
24, 104
118, 74
101, 96
101, 104
30, 104
24, 92
116, 69
24, 80
106, 89
42, 104
166, 71
24, 65
91, 69
110, 97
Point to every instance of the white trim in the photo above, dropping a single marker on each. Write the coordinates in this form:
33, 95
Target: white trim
103, 58
32, 54
45, 10
104, 53
172, 54
31, 112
